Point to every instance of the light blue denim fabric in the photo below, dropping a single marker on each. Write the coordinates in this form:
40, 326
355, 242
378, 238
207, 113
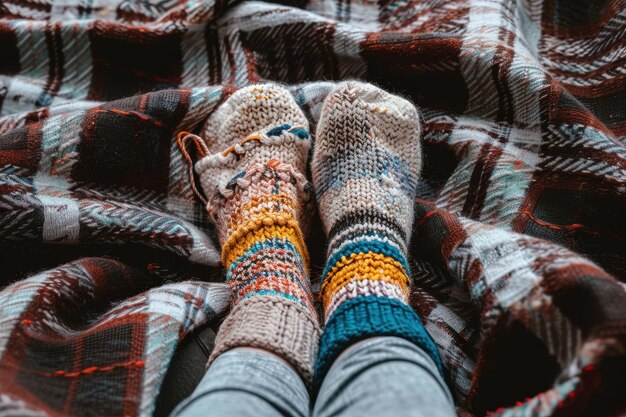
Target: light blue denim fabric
383, 376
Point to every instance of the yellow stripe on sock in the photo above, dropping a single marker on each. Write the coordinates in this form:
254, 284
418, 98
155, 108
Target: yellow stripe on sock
262, 228
363, 266
283, 199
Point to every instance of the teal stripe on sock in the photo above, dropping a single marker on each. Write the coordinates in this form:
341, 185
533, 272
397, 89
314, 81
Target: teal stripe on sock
370, 316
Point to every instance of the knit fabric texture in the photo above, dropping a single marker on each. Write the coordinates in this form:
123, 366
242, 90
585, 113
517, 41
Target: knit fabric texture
110, 261
258, 198
365, 167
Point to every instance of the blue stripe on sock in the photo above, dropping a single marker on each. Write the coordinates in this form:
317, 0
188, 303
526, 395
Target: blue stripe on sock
275, 243
273, 292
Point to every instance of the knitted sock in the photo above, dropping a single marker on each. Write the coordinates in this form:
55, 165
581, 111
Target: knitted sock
257, 196
366, 164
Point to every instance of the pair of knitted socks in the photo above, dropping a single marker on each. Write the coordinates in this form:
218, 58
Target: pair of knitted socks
365, 166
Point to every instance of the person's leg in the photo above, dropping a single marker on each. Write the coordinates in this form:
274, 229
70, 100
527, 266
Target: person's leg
258, 198
385, 376
365, 167
245, 382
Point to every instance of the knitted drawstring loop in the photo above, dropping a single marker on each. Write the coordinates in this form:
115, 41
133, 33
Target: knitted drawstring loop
202, 150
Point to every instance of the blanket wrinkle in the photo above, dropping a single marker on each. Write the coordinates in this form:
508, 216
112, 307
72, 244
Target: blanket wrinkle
109, 258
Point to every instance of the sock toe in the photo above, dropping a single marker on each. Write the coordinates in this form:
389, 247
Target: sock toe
367, 155
370, 106
255, 108
258, 125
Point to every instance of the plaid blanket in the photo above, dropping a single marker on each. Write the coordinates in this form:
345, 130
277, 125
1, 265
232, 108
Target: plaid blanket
518, 252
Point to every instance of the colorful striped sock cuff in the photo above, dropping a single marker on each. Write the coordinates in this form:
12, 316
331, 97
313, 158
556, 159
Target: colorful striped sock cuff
267, 267
364, 295
263, 247
364, 265
271, 266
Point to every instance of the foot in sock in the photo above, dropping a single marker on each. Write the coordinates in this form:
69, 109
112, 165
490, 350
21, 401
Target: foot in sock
258, 198
366, 163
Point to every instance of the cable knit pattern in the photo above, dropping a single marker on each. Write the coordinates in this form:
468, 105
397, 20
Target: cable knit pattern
258, 199
365, 166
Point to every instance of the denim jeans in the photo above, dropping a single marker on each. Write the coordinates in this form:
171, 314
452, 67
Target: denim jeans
382, 376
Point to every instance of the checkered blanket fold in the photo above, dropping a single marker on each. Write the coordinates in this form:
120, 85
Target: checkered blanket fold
518, 250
